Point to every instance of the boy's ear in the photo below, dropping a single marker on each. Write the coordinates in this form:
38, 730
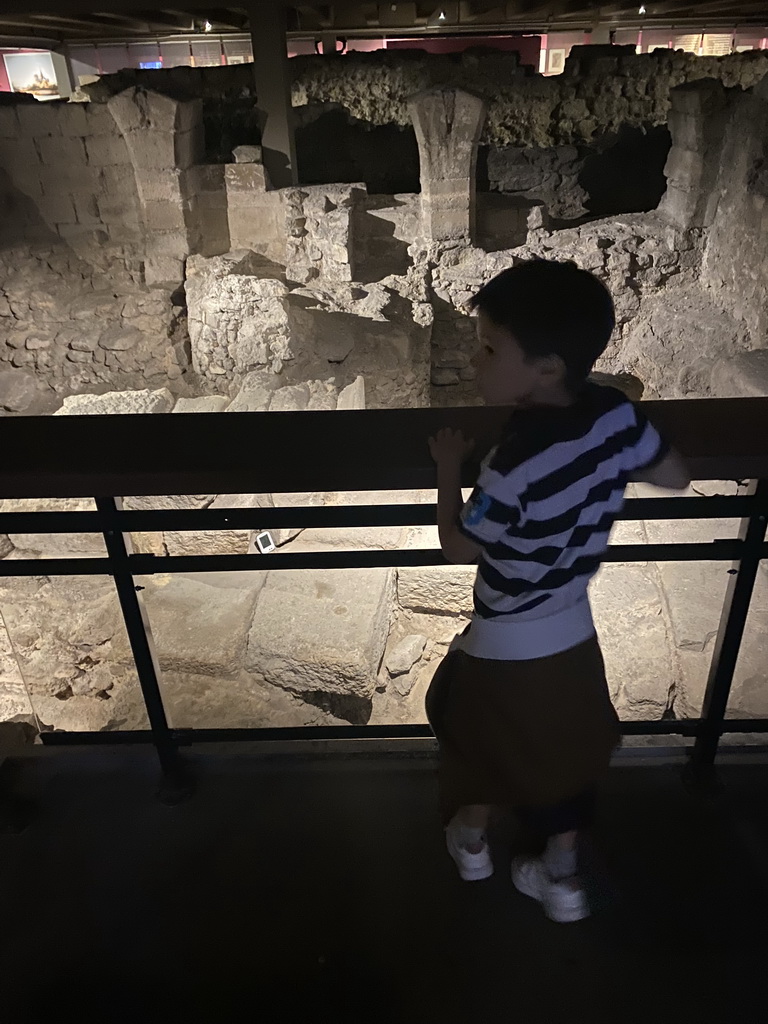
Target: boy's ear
551, 366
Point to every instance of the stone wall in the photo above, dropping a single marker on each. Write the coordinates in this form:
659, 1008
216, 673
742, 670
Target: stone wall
65, 171
735, 267
66, 326
601, 89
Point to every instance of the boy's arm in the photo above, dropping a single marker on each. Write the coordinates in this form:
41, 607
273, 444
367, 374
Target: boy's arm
449, 449
456, 547
671, 473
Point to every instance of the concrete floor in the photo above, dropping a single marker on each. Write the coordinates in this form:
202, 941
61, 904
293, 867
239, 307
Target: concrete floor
311, 889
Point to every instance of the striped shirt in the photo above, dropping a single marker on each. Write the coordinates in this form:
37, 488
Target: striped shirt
546, 499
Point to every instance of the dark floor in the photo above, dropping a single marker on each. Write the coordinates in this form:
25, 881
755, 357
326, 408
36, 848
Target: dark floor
319, 890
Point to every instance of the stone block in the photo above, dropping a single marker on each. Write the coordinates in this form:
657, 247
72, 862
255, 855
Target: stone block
165, 216
251, 399
38, 119
81, 237
221, 542
628, 601
73, 119
353, 395
74, 179
55, 545
245, 178
203, 178
163, 272
322, 633
106, 150
18, 390
206, 403
247, 154
160, 149
56, 150
117, 402
199, 625
120, 338
165, 185
403, 656
744, 375
436, 590
174, 244
684, 167
255, 227
115, 209
22, 154
87, 211
57, 209
36, 342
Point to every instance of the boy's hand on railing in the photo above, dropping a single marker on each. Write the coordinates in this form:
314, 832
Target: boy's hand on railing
450, 446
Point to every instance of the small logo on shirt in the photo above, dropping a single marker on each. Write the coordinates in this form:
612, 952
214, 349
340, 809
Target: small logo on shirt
478, 506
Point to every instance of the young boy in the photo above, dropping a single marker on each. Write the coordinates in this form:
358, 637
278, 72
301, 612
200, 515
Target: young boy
520, 704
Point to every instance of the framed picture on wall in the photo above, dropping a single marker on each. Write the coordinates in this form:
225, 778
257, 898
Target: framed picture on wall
556, 62
32, 73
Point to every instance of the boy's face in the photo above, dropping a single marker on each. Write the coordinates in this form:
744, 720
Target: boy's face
506, 376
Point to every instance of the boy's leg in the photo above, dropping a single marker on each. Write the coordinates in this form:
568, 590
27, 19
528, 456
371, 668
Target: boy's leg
553, 879
469, 825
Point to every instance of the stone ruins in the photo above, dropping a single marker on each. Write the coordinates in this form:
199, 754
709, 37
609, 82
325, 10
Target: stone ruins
148, 265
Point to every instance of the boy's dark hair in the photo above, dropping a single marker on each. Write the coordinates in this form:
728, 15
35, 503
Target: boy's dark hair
552, 308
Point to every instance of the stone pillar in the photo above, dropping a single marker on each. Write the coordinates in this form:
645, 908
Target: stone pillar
697, 122
165, 139
448, 123
273, 91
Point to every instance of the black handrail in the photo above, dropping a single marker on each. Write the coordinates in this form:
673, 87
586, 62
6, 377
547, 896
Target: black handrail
378, 450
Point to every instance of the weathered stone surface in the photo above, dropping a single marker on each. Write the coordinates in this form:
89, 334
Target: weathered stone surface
206, 403
200, 622
219, 542
744, 375
627, 601
247, 154
54, 545
523, 110
353, 395
117, 402
448, 123
6, 545
446, 591
18, 390
403, 656
322, 632
238, 319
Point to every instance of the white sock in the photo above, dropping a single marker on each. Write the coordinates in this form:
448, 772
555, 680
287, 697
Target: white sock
560, 863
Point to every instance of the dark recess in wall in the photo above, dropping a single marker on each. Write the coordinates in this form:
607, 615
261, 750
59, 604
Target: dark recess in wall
627, 174
334, 149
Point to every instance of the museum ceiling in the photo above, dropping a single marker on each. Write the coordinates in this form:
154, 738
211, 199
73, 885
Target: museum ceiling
48, 22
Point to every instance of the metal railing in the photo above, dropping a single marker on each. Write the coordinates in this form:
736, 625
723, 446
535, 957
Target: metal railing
376, 450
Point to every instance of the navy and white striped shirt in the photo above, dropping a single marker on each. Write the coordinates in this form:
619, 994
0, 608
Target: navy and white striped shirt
547, 497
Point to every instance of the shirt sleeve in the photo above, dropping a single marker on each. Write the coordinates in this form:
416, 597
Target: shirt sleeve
649, 449
490, 510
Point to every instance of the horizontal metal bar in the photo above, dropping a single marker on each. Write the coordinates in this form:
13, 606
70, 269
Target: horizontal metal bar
330, 516
185, 737
148, 565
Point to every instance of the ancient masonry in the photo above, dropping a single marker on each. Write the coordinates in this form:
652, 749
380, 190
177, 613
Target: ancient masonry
135, 276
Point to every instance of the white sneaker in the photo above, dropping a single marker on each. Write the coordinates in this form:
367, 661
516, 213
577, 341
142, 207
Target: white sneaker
473, 867
562, 901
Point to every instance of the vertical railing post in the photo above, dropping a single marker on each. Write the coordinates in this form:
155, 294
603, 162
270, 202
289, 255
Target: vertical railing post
738, 596
175, 785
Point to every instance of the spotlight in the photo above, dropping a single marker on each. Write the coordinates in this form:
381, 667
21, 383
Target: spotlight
642, 9
207, 26
442, 16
